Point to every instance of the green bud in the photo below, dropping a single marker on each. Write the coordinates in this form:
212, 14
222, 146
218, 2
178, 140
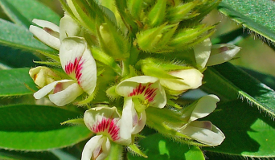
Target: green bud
113, 42
105, 59
157, 13
180, 12
188, 36
135, 8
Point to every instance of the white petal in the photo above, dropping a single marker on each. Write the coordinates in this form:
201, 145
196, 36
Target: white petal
202, 52
94, 115
45, 37
126, 122
68, 27
203, 107
43, 23
204, 132
78, 62
221, 56
140, 124
42, 76
190, 79
67, 95
96, 145
48, 88
126, 87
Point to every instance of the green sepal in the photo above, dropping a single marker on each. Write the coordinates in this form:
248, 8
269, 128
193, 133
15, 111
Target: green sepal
188, 35
157, 14
147, 40
135, 7
105, 59
111, 92
55, 64
162, 44
180, 12
133, 148
112, 42
74, 121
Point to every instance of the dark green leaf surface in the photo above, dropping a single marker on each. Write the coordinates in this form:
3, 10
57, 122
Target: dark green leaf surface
15, 58
13, 155
232, 83
247, 131
257, 15
37, 128
15, 82
157, 147
20, 37
22, 12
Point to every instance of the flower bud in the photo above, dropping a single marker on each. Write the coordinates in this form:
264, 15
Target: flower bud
157, 13
42, 76
180, 12
188, 79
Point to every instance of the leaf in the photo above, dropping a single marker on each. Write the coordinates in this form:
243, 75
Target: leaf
248, 132
233, 83
37, 128
16, 58
156, 146
257, 15
13, 155
16, 82
22, 12
19, 37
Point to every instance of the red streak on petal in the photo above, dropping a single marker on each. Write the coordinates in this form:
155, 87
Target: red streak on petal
107, 125
75, 68
146, 90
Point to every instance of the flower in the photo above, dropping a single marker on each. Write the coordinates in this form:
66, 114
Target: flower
109, 126
77, 61
220, 53
202, 131
42, 76
185, 79
144, 90
51, 34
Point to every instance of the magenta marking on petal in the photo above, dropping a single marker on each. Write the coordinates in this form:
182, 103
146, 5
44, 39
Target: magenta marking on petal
147, 91
75, 68
107, 125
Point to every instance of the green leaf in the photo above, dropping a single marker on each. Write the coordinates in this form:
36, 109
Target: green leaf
37, 128
156, 146
22, 12
14, 155
19, 37
248, 132
232, 83
15, 82
257, 15
15, 58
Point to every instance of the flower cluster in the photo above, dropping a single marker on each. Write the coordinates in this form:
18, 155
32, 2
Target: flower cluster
143, 55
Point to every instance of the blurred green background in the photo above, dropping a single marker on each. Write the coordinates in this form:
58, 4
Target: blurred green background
255, 54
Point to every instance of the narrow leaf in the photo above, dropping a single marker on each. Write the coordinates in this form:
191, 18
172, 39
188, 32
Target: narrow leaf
13, 155
257, 15
16, 82
235, 83
248, 132
156, 146
22, 12
37, 128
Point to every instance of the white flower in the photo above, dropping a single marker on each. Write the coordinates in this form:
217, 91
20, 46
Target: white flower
51, 34
77, 61
145, 90
202, 131
186, 79
208, 55
109, 126
42, 76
